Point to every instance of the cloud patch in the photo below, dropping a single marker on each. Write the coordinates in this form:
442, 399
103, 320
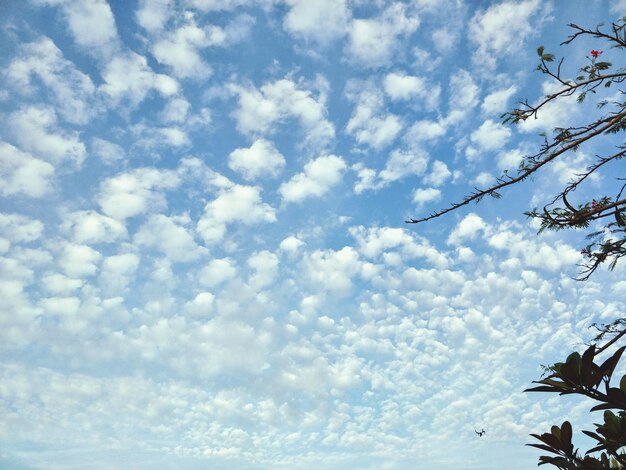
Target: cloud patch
23, 174
71, 89
260, 110
259, 160
318, 177
235, 204
374, 41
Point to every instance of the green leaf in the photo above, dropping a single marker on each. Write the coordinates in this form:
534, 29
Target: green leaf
608, 366
542, 447
595, 449
588, 371
540, 51
544, 388
611, 421
566, 437
548, 439
603, 65
556, 461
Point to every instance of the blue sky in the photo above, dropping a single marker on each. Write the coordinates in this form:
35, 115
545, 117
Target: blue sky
203, 252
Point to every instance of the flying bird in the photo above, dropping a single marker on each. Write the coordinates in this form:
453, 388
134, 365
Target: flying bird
480, 433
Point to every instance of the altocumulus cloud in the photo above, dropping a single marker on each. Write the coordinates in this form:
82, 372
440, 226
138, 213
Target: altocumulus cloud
203, 259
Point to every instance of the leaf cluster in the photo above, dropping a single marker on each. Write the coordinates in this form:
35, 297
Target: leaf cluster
581, 375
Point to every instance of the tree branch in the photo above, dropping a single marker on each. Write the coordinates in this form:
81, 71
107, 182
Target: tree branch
522, 176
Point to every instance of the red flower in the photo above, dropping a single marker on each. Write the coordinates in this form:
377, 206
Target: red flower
595, 53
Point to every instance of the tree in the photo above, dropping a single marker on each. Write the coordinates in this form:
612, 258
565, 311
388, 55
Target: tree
580, 374
609, 243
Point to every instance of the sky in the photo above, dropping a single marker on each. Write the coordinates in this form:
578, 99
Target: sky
203, 257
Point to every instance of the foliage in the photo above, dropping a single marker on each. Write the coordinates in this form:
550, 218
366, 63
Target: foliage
607, 244
581, 375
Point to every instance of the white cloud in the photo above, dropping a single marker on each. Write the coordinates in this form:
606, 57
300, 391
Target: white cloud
79, 260
484, 178
463, 94
176, 110
91, 23
391, 242
438, 175
374, 241
321, 21
128, 79
260, 159
424, 131
72, 90
367, 178
557, 113
19, 228
566, 168
373, 42
497, 101
135, 192
226, 5
503, 28
169, 236
153, 14
89, 227
291, 244
260, 110
402, 164
235, 204
333, 271
238, 30
218, 346
491, 136
510, 159
370, 123
446, 38
421, 197
467, 229
399, 86
217, 272
58, 284
194, 169
21, 173
202, 304
117, 272
158, 137
62, 306
319, 176
35, 130
265, 266
534, 253
180, 50
109, 152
